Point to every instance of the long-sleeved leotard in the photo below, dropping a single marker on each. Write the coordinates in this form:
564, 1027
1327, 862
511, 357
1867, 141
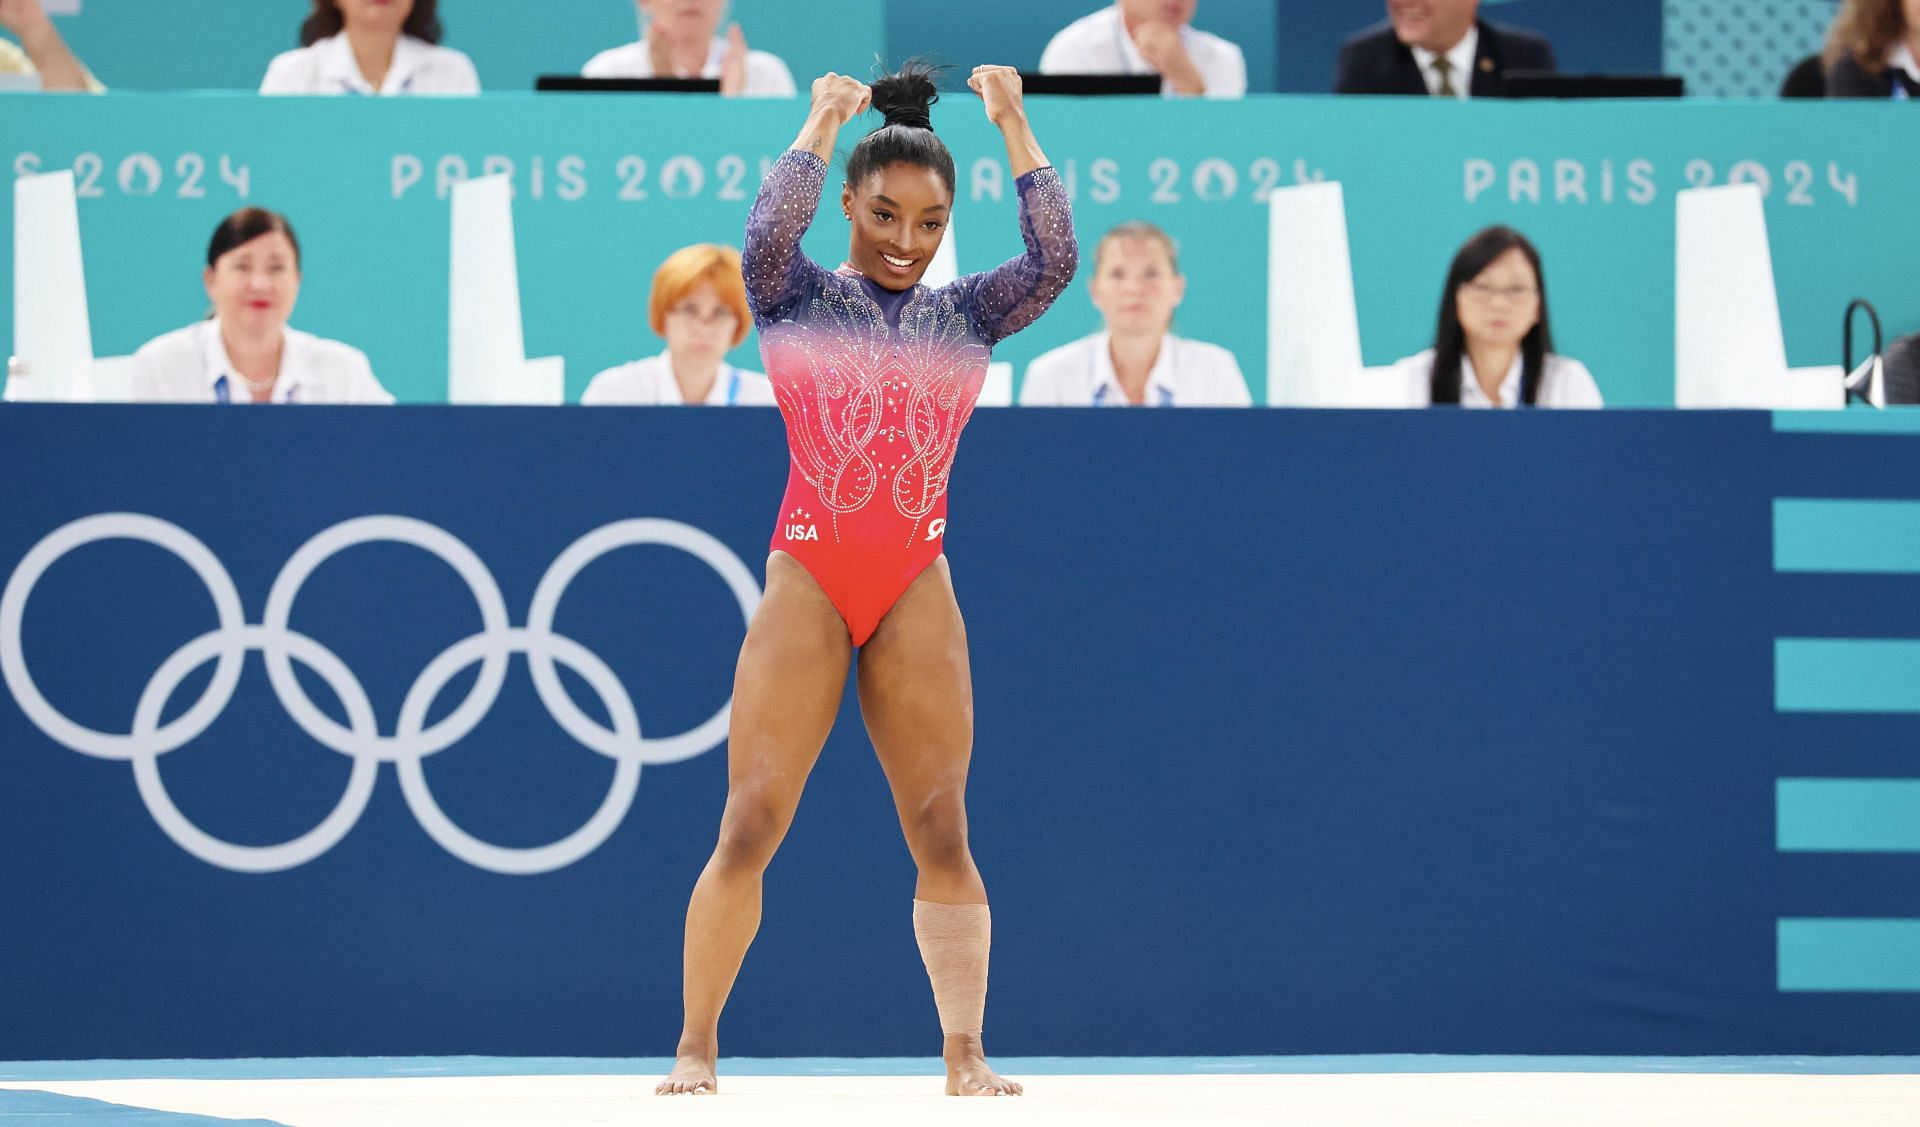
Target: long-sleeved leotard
876, 385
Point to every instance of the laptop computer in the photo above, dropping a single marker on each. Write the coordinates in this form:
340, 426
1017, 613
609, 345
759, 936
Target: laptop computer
1552, 84
1090, 85
573, 83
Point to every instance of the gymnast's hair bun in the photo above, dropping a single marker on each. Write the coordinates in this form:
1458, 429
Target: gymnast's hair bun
906, 97
907, 137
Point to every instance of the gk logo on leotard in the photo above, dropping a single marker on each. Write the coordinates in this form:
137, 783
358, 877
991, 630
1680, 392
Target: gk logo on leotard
151, 734
937, 529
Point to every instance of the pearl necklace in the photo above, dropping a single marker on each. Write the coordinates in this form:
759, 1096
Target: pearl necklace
258, 386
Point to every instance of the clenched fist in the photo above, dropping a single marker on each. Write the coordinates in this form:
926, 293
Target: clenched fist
842, 97
999, 88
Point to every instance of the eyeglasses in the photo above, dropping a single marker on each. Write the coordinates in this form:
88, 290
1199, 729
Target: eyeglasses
1515, 294
709, 317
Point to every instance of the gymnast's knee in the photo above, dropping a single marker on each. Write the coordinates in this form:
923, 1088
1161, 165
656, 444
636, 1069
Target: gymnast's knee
750, 831
937, 834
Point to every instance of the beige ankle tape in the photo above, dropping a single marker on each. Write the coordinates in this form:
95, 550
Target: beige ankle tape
954, 940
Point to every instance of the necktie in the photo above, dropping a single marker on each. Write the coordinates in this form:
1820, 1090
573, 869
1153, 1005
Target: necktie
1443, 67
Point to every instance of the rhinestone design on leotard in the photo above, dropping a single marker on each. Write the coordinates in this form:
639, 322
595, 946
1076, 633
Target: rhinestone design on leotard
875, 409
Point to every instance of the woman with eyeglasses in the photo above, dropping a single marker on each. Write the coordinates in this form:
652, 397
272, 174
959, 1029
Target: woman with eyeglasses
1494, 347
699, 305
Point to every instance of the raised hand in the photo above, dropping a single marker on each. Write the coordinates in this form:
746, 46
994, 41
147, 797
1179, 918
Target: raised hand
999, 89
733, 64
1161, 45
840, 97
18, 16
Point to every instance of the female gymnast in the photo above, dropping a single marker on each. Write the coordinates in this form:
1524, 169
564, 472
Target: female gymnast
875, 375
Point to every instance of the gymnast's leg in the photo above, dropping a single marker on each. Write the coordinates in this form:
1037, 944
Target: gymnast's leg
916, 693
786, 692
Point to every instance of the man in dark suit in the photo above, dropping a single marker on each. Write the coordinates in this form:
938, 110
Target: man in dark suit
1439, 48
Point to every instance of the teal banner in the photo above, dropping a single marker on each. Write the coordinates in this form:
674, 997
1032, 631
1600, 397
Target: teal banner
607, 187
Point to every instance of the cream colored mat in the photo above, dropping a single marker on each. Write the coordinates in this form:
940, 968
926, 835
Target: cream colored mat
1479, 1099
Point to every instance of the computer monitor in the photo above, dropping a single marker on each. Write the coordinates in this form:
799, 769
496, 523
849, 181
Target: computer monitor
1090, 85
1552, 84
573, 83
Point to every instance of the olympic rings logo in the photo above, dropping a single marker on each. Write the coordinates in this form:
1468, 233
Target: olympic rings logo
359, 738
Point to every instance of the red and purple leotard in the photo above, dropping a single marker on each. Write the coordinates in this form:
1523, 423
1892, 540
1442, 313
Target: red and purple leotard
876, 385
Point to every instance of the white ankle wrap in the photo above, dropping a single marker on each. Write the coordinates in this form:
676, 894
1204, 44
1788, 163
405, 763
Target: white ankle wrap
954, 941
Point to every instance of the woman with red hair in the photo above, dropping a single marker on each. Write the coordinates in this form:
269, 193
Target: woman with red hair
699, 307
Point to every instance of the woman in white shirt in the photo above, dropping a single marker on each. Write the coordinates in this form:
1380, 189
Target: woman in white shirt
1150, 37
680, 39
246, 353
1494, 345
699, 304
386, 47
1136, 361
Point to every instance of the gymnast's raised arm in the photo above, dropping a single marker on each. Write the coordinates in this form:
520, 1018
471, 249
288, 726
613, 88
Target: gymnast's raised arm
776, 269
1014, 294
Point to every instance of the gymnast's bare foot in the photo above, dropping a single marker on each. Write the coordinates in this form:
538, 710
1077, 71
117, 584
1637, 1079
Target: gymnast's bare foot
692, 1075
967, 1071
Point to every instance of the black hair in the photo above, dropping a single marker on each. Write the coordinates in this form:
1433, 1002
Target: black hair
905, 99
1450, 340
246, 225
325, 21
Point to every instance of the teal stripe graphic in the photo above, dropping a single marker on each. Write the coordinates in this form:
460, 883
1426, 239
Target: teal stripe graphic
1893, 420
1850, 955
1846, 536
1847, 815
1846, 675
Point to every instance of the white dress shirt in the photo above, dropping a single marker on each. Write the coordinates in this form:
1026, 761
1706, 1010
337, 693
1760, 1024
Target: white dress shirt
1099, 44
1460, 58
650, 383
1901, 58
1565, 383
328, 67
1186, 373
190, 365
767, 74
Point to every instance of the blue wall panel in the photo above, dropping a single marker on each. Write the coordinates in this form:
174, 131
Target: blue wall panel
1297, 733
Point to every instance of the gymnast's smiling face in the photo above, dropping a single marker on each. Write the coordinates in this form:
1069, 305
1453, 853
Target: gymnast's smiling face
899, 214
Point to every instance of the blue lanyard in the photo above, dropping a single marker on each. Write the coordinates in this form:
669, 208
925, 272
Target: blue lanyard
223, 391
1164, 398
733, 386
347, 86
